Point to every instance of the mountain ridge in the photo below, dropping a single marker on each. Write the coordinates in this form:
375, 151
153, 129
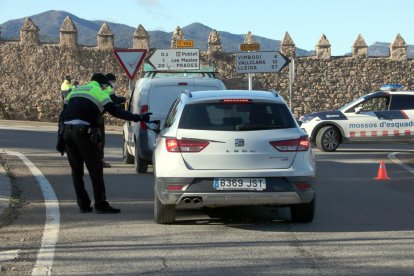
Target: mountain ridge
49, 23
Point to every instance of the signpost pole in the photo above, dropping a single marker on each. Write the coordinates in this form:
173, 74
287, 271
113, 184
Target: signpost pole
131, 87
250, 81
291, 80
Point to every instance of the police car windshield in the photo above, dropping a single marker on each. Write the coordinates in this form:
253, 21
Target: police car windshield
345, 107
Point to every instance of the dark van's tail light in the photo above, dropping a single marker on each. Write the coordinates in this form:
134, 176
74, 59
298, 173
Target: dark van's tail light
143, 109
301, 144
174, 145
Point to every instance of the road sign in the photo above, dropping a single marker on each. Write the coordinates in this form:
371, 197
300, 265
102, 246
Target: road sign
185, 43
130, 60
175, 59
260, 62
245, 47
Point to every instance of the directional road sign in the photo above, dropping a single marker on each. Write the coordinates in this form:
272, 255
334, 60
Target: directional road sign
175, 59
260, 62
130, 60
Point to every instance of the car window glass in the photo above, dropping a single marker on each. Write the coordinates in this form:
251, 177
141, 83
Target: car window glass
172, 113
236, 116
402, 102
373, 104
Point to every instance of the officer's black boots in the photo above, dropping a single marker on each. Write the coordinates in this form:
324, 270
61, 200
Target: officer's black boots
107, 210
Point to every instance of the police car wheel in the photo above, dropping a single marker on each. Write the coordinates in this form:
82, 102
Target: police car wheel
328, 138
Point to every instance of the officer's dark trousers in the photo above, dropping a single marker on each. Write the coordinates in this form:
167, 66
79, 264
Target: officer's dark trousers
81, 150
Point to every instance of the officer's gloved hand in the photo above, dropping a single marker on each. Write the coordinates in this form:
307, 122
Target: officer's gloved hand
60, 147
122, 100
146, 116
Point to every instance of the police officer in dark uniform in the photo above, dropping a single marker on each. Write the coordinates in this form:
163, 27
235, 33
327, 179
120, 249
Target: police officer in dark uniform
79, 133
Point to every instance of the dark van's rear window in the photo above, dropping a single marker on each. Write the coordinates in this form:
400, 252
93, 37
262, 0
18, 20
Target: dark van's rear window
236, 116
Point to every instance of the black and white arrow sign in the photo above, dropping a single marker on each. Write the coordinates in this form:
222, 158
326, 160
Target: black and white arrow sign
260, 62
175, 59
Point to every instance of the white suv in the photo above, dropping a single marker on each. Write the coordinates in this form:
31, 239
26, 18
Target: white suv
155, 93
232, 148
385, 116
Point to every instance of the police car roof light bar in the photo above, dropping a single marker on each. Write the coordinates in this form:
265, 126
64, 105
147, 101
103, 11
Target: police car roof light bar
391, 87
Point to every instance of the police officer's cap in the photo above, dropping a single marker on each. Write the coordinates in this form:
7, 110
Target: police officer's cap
68, 78
100, 78
110, 77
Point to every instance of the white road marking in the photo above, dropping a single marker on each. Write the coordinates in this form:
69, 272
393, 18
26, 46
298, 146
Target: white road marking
9, 255
46, 253
393, 158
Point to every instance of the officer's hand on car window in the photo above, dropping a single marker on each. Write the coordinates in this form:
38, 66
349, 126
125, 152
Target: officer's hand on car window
146, 116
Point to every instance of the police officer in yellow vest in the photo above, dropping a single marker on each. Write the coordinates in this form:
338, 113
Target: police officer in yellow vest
80, 121
66, 87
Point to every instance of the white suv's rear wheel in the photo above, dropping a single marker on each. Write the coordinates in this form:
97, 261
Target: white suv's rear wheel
163, 213
304, 212
328, 138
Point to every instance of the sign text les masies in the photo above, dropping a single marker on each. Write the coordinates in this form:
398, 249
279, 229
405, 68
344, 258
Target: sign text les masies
175, 59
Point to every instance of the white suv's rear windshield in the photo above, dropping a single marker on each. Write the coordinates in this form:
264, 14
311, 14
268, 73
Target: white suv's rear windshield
224, 116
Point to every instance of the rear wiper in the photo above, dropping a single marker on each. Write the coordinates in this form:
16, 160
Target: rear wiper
257, 127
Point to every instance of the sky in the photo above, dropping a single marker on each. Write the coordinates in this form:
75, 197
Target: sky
304, 20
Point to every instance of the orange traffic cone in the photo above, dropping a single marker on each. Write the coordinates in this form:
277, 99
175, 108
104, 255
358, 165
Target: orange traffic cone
382, 172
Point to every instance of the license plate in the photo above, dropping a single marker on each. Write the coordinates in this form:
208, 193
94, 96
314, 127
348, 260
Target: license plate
249, 184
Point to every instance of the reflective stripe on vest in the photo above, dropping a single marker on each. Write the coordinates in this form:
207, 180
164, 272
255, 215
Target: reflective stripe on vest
93, 92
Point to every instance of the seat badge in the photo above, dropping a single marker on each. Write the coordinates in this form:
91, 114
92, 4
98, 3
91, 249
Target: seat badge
239, 142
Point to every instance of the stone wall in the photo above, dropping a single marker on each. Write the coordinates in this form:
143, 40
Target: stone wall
31, 72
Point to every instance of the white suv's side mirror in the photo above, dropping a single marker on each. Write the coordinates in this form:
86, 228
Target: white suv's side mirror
358, 109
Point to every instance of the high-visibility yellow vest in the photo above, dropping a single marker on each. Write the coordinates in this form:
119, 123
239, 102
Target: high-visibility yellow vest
66, 86
91, 91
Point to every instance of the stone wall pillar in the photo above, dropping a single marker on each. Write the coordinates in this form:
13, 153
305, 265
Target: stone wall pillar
214, 43
398, 49
68, 34
287, 47
177, 35
323, 48
140, 38
360, 48
105, 37
249, 39
29, 33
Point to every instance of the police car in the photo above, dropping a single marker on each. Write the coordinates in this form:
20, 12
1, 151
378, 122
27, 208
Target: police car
385, 116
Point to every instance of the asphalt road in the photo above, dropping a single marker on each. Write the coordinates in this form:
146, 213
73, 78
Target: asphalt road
362, 227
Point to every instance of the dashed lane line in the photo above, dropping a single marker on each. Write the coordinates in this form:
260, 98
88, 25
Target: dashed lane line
393, 158
9, 255
46, 252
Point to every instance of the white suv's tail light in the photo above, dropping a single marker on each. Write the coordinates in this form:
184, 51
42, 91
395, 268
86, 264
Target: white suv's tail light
174, 145
301, 144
